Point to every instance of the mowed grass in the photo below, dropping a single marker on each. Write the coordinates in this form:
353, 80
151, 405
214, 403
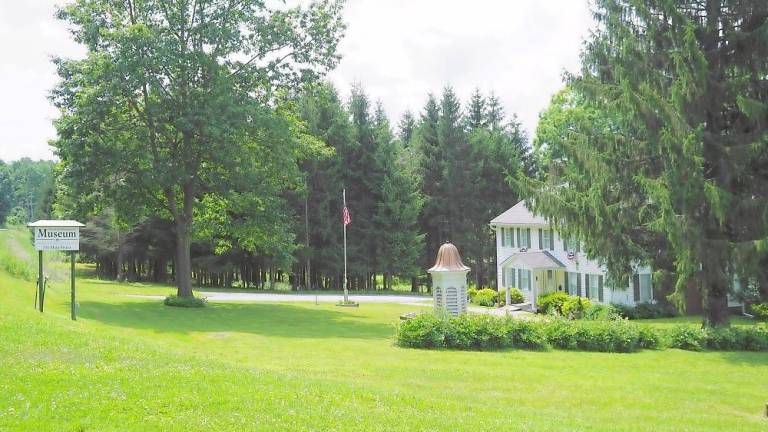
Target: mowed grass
133, 364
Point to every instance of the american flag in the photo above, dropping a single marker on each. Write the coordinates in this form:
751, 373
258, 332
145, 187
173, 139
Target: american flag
345, 216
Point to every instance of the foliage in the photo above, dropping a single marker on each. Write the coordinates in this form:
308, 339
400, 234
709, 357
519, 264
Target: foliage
647, 310
689, 128
471, 293
687, 338
185, 302
760, 311
564, 305
24, 188
515, 296
181, 109
485, 297
422, 331
600, 312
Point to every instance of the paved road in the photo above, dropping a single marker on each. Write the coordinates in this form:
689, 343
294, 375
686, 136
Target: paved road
324, 298
330, 298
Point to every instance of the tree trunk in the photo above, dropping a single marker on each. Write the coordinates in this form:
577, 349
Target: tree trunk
183, 261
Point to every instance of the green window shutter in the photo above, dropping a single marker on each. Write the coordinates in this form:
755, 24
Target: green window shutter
567, 287
519, 279
565, 244
503, 240
528, 237
541, 238
514, 277
586, 285
600, 288
578, 284
530, 273
517, 230
551, 240
636, 286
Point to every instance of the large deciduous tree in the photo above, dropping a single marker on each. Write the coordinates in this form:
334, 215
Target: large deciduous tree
174, 102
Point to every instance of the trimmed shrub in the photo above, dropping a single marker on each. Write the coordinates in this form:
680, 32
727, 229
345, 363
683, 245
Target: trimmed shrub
737, 338
562, 304
687, 337
603, 336
600, 312
760, 311
515, 296
649, 338
526, 334
647, 310
552, 303
423, 331
185, 302
485, 297
481, 332
472, 292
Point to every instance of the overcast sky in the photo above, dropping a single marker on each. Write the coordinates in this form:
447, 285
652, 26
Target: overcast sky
399, 50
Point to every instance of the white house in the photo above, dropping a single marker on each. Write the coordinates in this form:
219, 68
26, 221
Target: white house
537, 260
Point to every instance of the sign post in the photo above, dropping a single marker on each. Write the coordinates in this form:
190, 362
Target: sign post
56, 235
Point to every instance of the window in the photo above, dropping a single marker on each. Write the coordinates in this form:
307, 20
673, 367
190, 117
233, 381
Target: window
594, 289
646, 294
524, 237
503, 236
573, 281
548, 240
510, 237
525, 279
509, 277
573, 246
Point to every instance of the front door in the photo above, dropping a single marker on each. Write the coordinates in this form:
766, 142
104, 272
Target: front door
549, 281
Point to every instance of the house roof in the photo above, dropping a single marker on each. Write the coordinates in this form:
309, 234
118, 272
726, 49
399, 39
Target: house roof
448, 260
534, 260
55, 224
519, 215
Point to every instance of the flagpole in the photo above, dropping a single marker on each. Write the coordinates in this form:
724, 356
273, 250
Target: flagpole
346, 293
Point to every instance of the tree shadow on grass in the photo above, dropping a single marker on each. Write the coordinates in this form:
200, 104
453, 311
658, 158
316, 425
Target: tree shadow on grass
279, 320
745, 358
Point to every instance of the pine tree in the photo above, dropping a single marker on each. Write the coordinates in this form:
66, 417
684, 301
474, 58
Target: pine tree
476, 111
398, 241
406, 128
683, 135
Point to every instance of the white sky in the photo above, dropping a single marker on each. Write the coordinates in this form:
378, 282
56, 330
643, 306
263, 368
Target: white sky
399, 50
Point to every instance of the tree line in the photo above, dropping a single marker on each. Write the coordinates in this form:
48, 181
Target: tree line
200, 143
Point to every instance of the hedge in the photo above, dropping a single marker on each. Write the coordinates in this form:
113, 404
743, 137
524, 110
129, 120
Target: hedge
487, 332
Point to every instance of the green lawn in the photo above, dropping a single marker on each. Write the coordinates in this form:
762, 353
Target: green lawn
134, 364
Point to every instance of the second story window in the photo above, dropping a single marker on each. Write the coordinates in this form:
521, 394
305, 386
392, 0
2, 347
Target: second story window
524, 238
547, 239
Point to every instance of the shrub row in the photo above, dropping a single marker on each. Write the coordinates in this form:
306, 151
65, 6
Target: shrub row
486, 332
489, 298
647, 310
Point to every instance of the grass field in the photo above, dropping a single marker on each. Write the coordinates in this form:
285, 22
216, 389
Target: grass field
134, 364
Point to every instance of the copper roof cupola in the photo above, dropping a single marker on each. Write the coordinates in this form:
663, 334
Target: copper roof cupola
449, 281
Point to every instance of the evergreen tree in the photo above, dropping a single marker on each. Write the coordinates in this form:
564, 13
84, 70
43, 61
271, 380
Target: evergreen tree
684, 140
477, 116
431, 165
398, 241
406, 128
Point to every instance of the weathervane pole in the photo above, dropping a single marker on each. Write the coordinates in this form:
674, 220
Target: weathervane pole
346, 292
